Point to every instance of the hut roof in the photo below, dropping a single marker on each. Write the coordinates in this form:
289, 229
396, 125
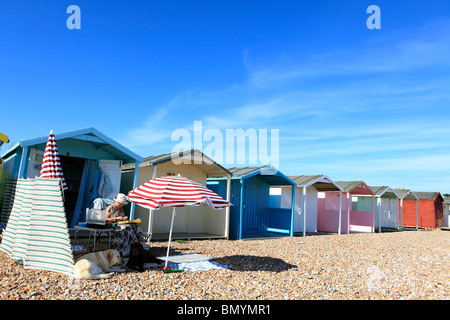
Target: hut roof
320, 182
95, 140
192, 156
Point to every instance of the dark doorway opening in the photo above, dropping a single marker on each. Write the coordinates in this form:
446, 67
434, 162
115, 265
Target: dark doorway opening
73, 170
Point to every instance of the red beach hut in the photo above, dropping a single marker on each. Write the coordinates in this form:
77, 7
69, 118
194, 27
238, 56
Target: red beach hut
430, 211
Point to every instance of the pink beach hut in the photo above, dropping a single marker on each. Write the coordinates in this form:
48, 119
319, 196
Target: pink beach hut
353, 218
305, 203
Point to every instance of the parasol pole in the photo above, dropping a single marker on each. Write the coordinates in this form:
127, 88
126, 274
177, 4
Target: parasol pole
170, 237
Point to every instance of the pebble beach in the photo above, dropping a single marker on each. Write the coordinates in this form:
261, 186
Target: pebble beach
406, 265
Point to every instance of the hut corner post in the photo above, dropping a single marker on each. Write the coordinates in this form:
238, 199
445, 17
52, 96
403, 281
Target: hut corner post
135, 182
23, 163
340, 212
241, 210
398, 224
379, 213
349, 208
417, 215
304, 211
150, 211
291, 233
227, 209
373, 214
401, 214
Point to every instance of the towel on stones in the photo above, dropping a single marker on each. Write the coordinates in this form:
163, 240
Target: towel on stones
198, 265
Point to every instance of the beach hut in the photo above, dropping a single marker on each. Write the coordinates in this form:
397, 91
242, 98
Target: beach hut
191, 222
306, 202
386, 207
407, 195
427, 212
88, 157
356, 216
446, 211
251, 215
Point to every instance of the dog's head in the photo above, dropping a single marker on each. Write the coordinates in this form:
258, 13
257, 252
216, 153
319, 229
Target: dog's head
136, 249
113, 257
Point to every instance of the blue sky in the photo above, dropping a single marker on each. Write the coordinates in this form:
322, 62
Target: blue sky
349, 102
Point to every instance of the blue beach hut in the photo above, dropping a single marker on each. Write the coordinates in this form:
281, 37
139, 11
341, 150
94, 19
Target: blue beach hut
251, 215
88, 158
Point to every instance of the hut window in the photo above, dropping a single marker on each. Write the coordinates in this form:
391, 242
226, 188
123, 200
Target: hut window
332, 201
275, 191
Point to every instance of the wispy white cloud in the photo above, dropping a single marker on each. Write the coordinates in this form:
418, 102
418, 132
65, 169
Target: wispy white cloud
372, 111
151, 131
429, 46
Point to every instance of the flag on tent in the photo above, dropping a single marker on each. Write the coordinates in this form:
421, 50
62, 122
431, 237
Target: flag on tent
51, 164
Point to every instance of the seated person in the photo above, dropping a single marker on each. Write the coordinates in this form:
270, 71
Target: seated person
125, 234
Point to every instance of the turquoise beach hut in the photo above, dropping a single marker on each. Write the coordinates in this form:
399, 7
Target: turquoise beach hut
88, 157
251, 215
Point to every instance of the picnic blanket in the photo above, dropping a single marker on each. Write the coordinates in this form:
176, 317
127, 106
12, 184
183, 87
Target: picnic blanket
199, 266
191, 262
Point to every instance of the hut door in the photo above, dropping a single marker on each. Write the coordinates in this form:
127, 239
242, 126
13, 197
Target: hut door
388, 217
384, 212
393, 215
255, 204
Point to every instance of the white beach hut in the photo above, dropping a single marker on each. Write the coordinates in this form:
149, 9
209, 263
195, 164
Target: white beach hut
446, 211
192, 222
386, 208
306, 201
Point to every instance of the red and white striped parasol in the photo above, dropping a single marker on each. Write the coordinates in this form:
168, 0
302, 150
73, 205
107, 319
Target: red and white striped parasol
51, 164
174, 191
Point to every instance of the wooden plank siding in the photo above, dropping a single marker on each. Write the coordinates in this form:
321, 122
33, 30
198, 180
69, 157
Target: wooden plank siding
430, 213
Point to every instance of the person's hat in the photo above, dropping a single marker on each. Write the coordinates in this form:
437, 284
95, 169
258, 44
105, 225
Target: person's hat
121, 198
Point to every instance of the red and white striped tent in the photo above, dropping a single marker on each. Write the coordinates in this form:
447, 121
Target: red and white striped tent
175, 191
51, 164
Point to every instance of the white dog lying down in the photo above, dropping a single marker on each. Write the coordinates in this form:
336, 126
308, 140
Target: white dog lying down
97, 265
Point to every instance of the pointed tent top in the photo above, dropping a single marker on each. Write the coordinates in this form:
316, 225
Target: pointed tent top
51, 163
